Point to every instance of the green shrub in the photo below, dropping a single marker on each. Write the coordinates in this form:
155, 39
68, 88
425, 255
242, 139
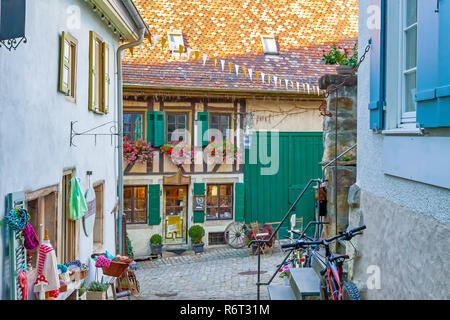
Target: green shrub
97, 286
196, 234
83, 288
129, 248
156, 240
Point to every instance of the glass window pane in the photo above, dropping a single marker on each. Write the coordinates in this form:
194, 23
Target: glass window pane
270, 45
127, 192
212, 190
212, 201
138, 127
411, 48
140, 204
411, 12
140, 192
410, 91
140, 216
212, 213
171, 119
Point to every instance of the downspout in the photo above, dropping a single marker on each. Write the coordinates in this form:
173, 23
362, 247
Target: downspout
122, 48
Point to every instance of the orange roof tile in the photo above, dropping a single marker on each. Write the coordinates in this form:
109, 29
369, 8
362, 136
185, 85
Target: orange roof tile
231, 30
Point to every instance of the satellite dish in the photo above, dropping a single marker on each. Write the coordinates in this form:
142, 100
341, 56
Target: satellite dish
89, 217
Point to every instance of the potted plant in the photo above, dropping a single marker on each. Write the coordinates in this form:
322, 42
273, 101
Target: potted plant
345, 59
284, 274
82, 291
156, 244
196, 234
137, 151
97, 291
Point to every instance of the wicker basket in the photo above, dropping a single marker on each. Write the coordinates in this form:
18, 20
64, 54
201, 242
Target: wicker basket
84, 273
115, 269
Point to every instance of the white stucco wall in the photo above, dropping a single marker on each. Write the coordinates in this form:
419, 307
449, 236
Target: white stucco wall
415, 203
35, 118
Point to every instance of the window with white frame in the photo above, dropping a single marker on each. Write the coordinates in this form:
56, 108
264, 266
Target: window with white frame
269, 44
401, 64
175, 40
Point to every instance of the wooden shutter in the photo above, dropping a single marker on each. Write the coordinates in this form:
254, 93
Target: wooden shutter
13, 250
427, 62
199, 190
154, 212
106, 78
239, 201
93, 104
202, 127
377, 58
443, 90
65, 65
159, 128
151, 127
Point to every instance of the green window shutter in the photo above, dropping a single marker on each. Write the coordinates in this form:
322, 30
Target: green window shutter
93, 104
65, 65
159, 128
11, 246
106, 78
151, 127
202, 128
153, 207
199, 216
239, 201
199, 189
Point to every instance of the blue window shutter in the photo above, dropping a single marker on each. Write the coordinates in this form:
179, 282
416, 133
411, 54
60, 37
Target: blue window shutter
377, 58
427, 63
443, 90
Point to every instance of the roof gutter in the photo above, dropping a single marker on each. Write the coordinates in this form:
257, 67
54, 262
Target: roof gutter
142, 31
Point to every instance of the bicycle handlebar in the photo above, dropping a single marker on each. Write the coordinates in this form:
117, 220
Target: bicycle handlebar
346, 235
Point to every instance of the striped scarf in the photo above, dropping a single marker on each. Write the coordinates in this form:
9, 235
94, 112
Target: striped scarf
43, 250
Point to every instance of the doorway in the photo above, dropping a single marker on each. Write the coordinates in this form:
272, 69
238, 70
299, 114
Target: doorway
175, 214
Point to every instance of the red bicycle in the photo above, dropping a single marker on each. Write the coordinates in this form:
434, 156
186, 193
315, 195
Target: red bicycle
333, 284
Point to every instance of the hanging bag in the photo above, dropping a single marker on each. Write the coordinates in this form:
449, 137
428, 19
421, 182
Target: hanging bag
77, 202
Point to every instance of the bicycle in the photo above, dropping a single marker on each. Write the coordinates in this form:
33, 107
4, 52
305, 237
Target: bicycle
333, 284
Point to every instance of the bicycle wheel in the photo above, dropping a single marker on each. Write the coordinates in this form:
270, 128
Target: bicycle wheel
350, 291
235, 235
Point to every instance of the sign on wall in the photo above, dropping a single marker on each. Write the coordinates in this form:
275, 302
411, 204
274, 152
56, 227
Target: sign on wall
89, 217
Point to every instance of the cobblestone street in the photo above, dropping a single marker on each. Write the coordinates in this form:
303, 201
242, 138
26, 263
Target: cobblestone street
214, 274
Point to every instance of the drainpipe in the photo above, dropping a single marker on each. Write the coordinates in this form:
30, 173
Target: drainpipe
141, 33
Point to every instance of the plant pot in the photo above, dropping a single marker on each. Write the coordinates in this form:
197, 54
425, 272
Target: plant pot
198, 247
345, 70
83, 296
96, 295
156, 249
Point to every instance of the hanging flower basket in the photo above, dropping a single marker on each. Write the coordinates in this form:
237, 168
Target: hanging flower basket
137, 152
346, 59
223, 152
179, 153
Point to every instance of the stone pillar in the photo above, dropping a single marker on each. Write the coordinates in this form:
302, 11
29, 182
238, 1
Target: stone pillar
343, 104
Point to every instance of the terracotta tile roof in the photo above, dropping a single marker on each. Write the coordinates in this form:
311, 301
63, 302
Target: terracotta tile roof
231, 30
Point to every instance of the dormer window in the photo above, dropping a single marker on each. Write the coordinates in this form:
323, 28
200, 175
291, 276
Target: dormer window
269, 44
175, 40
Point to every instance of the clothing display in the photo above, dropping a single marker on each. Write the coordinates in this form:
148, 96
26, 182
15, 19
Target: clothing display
23, 284
47, 270
77, 202
30, 238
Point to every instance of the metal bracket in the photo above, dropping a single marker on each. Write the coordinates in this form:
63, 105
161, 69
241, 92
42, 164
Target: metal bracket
112, 133
13, 43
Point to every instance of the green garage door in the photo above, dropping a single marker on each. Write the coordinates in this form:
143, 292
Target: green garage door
268, 197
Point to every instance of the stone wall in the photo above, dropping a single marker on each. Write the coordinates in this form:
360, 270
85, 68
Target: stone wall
402, 254
343, 104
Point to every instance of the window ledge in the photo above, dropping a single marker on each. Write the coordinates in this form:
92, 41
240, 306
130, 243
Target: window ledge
403, 132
